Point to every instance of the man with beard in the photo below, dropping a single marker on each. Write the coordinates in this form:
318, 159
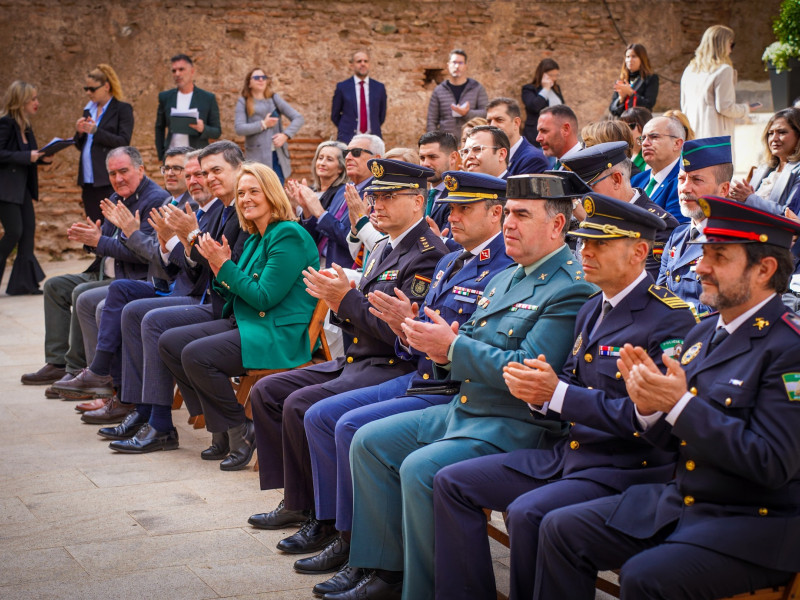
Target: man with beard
706, 170
728, 522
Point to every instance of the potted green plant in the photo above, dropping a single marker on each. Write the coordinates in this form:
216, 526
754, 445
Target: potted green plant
782, 56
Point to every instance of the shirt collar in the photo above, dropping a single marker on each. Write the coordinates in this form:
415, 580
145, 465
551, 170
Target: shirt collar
358, 80
662, 174
513, 150
477, 249
400, 237
734, 325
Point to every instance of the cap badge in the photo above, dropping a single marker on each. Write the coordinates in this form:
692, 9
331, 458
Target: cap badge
704, 206
451, 183
588, 206
686, 162
377, 169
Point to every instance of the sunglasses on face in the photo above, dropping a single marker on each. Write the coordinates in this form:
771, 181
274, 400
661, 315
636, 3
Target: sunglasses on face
356, 152
259, 77
86, 88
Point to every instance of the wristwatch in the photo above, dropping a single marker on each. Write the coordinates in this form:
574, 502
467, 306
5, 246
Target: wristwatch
193, 236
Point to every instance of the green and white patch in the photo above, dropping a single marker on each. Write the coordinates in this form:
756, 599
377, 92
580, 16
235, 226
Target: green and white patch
791, 381
672, 348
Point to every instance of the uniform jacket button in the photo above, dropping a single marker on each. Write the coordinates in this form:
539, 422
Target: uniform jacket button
690, 465
574, 444
587, 357
688, 500
463, 399
349, 359
262, 314
355, 340
426, 376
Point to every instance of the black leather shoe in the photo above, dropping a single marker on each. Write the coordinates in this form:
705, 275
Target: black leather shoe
47, 375
242, 441
279, 518
313, 536
125, 430
218, 449
346, 579
331, 559
371, 587
146, 440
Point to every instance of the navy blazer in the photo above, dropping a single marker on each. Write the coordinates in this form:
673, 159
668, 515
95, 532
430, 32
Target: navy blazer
114, 130
666, 193
336, 230
737, 486
344, 108
785, 193
17, 172
205, 103
601, 445
527, 159
653, 265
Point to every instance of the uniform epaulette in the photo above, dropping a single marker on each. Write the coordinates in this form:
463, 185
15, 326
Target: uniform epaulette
424, 244
793, 321
595, 293
667, 297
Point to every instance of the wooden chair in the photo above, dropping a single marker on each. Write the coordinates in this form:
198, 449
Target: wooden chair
608, 582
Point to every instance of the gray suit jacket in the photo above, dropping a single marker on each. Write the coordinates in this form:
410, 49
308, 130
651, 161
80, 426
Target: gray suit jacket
785, 192
257, 143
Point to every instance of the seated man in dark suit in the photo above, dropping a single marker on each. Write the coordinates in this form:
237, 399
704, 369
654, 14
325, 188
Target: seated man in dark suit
523, 157
185, 97
438, 150
359, 103
728, 521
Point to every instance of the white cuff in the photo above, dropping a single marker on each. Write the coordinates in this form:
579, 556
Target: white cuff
557, 401
676, 411
647, 421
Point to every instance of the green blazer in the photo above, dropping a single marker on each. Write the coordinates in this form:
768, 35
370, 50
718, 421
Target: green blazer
206, 105
266, 294
536, 316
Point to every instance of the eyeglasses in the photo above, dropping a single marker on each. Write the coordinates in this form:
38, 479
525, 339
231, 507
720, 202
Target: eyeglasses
653, 137
172, 169
86, 88
259, 77
356, 152
477, 149
385, 197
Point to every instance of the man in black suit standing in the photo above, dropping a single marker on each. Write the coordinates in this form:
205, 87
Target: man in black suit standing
359, 103
184, 97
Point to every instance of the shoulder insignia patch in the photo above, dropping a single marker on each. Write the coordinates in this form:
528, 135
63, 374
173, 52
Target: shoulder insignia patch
791, 382
420, 285
667, 297
425, 245
792, 320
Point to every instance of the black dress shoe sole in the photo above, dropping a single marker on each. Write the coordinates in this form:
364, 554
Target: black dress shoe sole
281, 525
219, 456
103, 420
326, 587
239, 466
308, 549
130, 433
333, 567
154, 447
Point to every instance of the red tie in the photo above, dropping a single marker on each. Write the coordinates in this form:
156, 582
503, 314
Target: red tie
362, 114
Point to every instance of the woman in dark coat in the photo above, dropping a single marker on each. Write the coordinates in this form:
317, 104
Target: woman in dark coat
19, 186
637, 84
542, 92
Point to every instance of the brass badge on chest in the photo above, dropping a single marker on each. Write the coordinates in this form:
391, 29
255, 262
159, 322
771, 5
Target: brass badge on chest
369, 268
578, 344
689, 355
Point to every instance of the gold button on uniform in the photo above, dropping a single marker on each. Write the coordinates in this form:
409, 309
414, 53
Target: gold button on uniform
683, 442
618, 375
466, 381
688, 500
693, 391
677, 278
574, 444
483, 323
690, 466
391, 361
438, 312
510, 331
463, 399
644, 463
460, 310
728, 401
763, 511
355, 340
587, 357
262, 314
426, 376
636, 434
349, 359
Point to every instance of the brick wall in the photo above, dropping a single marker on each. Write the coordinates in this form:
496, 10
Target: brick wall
305, 44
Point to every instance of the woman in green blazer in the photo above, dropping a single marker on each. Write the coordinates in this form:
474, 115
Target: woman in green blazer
266, 314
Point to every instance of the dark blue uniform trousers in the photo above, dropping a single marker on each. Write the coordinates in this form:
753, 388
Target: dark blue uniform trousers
461, 491
330, 426
575, 543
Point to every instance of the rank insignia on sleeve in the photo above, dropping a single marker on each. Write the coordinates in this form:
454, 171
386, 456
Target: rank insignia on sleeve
667, 297
672, 348
578, 344
791, 381
425, 245
419, 287
689, 355
390, 275
485, 254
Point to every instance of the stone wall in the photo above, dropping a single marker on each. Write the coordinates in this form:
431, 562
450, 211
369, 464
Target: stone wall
305, 44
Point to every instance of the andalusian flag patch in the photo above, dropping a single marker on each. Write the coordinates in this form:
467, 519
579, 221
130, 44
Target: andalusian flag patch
608, 350
791, 381
672, 348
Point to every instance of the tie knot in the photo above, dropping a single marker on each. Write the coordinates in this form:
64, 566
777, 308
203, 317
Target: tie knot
606, 307
693, 233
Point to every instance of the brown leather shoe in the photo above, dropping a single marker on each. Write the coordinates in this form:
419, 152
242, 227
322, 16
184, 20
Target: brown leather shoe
113, 412
86, 382
45, 376
95, 404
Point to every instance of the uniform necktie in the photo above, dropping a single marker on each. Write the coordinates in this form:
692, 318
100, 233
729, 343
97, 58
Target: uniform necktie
459, 262
606, 308
519, 275
650, 185
694, 232
719, 335
362, 113
386, 252
429, 204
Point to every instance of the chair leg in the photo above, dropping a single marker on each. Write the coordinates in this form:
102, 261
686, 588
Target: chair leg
177, 399
200, 422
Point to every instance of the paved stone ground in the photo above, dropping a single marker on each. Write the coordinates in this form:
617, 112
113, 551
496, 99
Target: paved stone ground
78, 521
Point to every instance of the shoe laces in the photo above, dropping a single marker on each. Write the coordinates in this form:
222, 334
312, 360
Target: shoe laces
307, 526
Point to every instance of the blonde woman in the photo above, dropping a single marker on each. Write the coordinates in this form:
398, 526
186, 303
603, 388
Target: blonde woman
708, 95
19, 186
107, 123
258, 116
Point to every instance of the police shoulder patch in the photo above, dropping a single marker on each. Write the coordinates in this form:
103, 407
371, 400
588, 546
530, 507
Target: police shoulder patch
666, 296
793, 321
420, 285
424, 245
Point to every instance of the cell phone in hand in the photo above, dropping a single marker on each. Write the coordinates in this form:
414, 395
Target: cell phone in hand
755, 105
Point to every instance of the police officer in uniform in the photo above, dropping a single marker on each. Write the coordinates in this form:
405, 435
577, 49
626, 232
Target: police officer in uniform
601, 455
528, 310
475, 208
729, 522
606, 170
706, 170
405, 260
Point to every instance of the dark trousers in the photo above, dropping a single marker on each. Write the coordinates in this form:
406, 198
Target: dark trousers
19, 227
279, 405
575, 543
204, 357
91, 197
